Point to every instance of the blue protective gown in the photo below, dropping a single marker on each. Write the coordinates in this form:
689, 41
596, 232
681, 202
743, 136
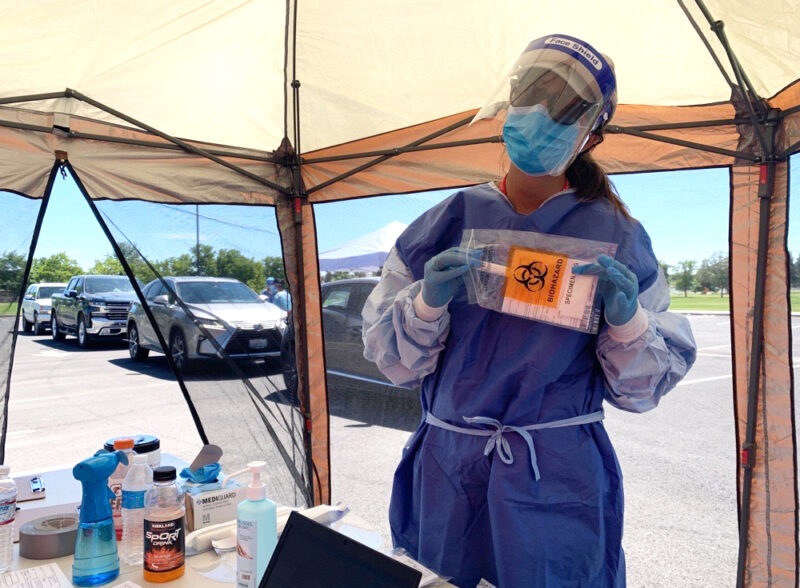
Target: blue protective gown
468, 515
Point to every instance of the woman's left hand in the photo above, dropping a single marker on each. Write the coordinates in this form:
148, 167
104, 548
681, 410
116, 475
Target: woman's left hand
618, 287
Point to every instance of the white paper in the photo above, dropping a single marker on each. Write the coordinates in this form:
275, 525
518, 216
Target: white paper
47, 576
128, 584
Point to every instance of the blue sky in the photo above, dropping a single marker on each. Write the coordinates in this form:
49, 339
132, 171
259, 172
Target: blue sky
686, 214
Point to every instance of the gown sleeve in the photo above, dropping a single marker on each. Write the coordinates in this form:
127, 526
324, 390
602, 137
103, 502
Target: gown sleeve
647, 357
402, 335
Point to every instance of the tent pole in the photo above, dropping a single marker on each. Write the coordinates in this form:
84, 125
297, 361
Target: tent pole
298, 195
766, 189
416, 143
25, 275
182, 144
613, 129
33, 97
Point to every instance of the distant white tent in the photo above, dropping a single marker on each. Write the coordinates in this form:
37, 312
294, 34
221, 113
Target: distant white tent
364, 254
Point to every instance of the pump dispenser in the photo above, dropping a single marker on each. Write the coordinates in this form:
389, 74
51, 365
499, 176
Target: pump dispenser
256, 530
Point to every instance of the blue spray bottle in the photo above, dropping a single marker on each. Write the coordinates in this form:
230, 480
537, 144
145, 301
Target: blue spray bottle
96, 561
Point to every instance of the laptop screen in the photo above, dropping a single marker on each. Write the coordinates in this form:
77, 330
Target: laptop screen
310, 555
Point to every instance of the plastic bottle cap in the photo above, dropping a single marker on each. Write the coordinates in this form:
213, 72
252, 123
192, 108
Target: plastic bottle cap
123, 443
257, 490
164, 474
4, 469
142, 443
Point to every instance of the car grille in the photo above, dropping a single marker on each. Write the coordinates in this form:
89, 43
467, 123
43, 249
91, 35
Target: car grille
251, 326
118, 311
240, 342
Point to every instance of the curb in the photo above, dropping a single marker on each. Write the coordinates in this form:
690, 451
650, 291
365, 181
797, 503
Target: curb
711, 312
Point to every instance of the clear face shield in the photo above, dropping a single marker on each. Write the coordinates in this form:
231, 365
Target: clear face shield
548, 105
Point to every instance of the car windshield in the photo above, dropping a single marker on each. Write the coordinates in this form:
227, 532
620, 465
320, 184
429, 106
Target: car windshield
216, 292
95, 285
48, 291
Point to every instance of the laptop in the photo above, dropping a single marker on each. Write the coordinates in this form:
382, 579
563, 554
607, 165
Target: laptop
311, 555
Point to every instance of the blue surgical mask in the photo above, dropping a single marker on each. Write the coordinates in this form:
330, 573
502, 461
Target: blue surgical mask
536, 144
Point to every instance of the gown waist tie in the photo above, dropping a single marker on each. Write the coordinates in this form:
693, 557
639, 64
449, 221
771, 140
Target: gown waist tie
496, 439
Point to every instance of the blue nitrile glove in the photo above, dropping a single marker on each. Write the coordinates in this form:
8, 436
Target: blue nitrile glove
618, 287
443, 273
204, 475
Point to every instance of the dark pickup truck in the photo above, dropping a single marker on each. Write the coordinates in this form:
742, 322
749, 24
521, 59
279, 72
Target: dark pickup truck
92, 307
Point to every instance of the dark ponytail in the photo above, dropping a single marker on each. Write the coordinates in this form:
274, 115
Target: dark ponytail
591, 181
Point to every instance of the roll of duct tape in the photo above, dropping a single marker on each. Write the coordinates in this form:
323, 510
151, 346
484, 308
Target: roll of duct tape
48, 537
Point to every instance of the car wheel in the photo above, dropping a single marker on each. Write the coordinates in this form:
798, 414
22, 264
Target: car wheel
26, 326
84, 342
177, 348
138, 353
55, 332
38, 328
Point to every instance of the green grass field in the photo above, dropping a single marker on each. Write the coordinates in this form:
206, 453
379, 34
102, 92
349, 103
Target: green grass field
8, 308
697, 301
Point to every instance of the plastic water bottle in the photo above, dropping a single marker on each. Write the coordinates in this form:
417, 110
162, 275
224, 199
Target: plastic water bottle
115, 482
8, 510
137, 481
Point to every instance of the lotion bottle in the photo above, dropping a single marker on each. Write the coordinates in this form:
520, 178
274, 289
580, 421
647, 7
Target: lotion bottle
256, 530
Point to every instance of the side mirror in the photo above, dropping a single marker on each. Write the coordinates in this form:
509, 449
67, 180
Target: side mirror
161, 299
71, 294
29, 297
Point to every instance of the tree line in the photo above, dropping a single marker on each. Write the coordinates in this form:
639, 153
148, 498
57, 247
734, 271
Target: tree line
711, 275
205, 261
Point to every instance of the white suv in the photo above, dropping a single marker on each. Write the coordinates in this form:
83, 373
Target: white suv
36, 306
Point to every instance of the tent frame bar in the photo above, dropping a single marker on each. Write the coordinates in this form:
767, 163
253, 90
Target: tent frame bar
392, 153
699, 146
188, 147
401, 150
750, 97
20, 296
152, 144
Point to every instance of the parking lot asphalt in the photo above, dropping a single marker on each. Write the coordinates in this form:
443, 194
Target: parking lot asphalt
678, 461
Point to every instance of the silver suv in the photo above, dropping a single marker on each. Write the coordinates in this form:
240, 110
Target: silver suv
242, 325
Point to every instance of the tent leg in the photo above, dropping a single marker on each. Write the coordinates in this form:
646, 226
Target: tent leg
25, 275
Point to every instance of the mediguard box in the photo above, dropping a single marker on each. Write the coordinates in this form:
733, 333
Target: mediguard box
209, 504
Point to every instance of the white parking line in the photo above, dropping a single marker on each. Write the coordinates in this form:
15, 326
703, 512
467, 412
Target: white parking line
18, 433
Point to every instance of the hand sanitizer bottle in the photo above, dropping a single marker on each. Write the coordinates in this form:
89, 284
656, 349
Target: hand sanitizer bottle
256, 530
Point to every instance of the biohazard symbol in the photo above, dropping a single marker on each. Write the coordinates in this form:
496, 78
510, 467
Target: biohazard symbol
531, 276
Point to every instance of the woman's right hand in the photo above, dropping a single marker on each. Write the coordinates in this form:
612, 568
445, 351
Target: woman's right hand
443, 274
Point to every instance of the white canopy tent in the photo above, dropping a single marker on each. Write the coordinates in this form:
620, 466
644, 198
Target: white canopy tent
292, 103
363, 254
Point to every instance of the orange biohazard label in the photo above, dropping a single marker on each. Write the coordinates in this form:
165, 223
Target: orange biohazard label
535, 277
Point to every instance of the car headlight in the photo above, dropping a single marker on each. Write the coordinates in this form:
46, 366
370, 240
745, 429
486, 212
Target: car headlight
210, 323
43, 308
97, 308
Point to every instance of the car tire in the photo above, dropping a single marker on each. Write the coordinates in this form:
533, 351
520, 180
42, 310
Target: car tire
38, 328
178, 350
137, 352
26, 326
56, 333
84, 340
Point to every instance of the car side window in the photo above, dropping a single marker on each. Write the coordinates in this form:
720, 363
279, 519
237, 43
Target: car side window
156, 289
337, 298
79, 286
